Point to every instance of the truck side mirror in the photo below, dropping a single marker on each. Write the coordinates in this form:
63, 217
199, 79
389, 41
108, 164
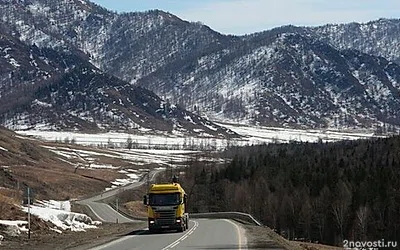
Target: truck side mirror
145, 199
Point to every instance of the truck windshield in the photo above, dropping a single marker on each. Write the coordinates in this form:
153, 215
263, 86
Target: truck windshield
164, 199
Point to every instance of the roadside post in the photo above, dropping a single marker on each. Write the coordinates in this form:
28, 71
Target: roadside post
116, 203
29, 214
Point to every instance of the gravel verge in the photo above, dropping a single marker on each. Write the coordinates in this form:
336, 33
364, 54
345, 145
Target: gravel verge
50, 240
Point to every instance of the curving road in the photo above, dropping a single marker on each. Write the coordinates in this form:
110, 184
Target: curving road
202, 234
106, 213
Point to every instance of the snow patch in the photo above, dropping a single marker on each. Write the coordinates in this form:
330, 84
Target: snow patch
189, 119
62, 219
43, 104
102, 166
14, 228
14, 63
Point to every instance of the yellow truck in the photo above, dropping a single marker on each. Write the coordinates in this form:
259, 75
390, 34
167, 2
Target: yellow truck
166, 207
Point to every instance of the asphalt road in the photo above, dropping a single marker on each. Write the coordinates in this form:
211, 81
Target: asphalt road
103, 211
202, 234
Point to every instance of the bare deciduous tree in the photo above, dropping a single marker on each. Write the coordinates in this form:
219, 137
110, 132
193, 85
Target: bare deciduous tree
362, 215
341, 206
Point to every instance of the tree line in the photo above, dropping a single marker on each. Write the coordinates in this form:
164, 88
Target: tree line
320, 192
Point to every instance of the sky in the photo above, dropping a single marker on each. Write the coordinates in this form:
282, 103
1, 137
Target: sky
241, 17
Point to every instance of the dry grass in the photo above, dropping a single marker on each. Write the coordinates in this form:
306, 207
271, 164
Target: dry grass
313, 246
9, 207
265, 238
57, 183
28, 163
105, 175
50, 240
136, 208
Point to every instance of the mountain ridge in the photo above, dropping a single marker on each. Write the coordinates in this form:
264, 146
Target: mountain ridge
212, 74
46, 89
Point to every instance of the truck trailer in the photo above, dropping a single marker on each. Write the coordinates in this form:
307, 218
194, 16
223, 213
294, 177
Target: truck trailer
166, 207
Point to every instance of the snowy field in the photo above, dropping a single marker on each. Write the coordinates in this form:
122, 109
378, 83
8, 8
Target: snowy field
136, 160
250, 135
168, 151
259, 135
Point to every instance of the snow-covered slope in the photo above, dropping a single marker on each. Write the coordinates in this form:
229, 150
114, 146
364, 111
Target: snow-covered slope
379, 38
289, 76
128, 45
292, 80
42, 87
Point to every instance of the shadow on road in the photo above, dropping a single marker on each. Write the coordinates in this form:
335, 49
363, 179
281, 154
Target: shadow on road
147, 232
225, 246
138, 232
233, 246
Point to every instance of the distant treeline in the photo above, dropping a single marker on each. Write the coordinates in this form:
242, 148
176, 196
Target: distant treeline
325, 192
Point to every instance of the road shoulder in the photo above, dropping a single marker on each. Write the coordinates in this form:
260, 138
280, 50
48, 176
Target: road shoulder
50, 240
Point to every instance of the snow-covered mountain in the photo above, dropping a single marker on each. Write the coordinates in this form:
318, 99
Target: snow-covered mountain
290, 79
49, 89
379, 38
128, 45
334, 75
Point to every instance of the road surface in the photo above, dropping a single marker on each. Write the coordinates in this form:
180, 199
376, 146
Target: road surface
103, 211
202, 234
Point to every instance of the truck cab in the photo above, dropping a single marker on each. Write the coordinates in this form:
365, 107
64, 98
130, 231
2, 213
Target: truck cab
166, 207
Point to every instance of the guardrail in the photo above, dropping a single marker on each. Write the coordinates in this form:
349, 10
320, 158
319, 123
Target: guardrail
216, 215
227, 215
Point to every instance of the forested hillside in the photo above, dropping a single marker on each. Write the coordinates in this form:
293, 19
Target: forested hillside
320, 192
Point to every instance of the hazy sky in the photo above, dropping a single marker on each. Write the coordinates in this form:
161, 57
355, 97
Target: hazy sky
247, 16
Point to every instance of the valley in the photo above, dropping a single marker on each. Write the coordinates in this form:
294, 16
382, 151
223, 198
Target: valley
297, 126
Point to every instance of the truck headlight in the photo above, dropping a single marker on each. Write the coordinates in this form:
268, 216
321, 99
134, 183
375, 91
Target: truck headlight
152, 222
178, 220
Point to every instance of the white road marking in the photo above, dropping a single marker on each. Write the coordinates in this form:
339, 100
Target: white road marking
109, 244
239, 232
183, 237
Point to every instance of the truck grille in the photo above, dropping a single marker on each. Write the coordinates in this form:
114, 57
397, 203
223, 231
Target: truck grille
166, 217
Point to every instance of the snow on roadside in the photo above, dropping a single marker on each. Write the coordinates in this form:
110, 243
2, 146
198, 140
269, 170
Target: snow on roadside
60, 205
58, 213
14, 228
